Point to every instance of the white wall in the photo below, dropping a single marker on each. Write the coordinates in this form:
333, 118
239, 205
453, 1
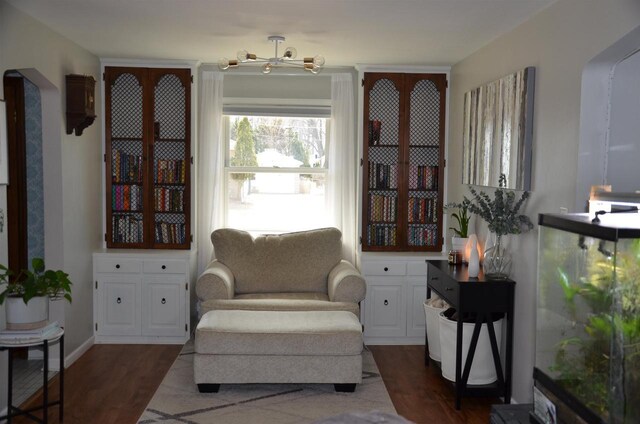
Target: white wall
72, 164
559, 41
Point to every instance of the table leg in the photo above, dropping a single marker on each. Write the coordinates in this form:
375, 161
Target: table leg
426, 338
509, 353
459, 361
61, 406
10, 388
45, 383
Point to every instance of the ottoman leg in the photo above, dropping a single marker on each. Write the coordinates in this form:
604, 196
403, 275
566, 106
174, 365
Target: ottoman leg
349, 387
208, 388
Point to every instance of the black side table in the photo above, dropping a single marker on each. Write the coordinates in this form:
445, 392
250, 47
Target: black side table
481, 297
45, 342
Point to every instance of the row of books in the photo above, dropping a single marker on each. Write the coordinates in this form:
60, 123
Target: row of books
126, 198
375, 129
421, 236
382, 208
127, 229
126, 168
383, 176
423, 177
168, 233
381, 235
169, 199
29, 336
422, 210
170, 171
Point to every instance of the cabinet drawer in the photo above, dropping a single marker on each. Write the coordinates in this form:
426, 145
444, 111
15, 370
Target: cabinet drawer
159, 266
384, 268
118, 265
417, 268
443, 285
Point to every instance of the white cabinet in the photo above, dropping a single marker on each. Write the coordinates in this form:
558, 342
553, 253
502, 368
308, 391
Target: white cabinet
142, 296
393, 311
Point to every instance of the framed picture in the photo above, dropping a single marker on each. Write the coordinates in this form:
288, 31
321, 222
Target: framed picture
4, 165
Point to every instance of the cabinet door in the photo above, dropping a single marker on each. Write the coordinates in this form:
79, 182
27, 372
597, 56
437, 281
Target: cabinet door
382, 172
385, 309
417, 294
125, 156
170, 141
424, 160
118, 305
163, 305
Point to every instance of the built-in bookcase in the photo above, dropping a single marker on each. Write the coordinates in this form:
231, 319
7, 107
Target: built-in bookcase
147, 145
403, 161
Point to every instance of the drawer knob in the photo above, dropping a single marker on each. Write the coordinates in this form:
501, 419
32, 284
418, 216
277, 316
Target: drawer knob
117, 266
118, 300
448, 289
386, 302
434, 278
386, 269
163, 301
164, 267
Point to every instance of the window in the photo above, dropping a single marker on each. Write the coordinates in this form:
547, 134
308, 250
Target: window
275, 173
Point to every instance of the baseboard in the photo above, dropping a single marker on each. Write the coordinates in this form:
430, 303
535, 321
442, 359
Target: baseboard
76, 354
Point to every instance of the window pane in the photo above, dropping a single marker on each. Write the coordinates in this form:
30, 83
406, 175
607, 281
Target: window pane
277, 141
266, 202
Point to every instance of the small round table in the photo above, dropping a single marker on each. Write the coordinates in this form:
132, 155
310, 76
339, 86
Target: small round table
45, 342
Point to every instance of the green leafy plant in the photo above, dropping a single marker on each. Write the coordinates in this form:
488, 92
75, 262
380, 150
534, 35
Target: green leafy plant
501, 212
463, 218
36, 282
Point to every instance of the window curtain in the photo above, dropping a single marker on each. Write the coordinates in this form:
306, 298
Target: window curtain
210, 164
342, 164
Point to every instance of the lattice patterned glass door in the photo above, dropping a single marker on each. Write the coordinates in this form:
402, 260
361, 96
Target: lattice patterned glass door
424, 160
383, 170
126, 160
170, 166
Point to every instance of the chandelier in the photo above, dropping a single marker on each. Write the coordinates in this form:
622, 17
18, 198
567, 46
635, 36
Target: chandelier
288, 58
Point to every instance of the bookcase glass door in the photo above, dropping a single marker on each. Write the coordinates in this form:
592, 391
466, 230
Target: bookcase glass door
403, 161
383, 171
126, 140
423, 208
170, 154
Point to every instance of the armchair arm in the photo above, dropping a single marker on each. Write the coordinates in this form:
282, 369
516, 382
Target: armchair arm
216, 282
346, 284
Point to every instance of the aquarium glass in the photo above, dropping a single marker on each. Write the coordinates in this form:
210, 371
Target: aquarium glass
588, 320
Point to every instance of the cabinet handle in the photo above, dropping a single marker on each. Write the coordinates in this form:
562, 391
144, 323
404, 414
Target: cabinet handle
434, 278
386, 302
164, 267
117, 266
163, 301
448, 289
386, 269
118, 300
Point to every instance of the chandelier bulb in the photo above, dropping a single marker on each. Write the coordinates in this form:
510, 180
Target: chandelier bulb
244, 56
223, 63
266, 68
290, 53
318, 60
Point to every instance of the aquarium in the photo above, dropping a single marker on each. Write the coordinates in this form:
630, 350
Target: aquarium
587, 358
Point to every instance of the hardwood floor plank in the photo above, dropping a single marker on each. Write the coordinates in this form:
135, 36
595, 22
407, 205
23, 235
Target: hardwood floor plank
114, 383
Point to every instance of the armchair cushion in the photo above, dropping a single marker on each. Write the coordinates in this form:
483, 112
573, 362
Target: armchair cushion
293, 262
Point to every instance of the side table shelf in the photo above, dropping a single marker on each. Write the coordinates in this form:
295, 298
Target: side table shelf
46, 342
481, 297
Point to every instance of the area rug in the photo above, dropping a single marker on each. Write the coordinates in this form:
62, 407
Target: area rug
177, 400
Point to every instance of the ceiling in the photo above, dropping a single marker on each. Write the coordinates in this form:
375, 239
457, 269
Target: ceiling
346, 32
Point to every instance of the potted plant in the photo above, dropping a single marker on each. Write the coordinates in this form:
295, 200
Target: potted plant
503, 218
461, 233
27, 295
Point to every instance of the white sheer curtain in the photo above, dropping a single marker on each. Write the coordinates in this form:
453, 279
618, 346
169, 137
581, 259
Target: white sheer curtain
341, 184
210, 164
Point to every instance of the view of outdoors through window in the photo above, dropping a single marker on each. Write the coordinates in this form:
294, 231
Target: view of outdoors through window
281, 186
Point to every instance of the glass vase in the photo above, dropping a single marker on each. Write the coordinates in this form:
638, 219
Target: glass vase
496, 262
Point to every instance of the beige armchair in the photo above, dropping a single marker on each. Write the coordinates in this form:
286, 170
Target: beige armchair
301, 271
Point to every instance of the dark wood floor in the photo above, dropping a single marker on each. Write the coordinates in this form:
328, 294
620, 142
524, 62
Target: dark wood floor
114, 383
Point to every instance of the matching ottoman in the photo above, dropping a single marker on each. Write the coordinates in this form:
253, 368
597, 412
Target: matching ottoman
240, 346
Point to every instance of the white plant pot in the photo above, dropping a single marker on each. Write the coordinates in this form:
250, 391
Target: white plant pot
432, 316
483, 370
34, 314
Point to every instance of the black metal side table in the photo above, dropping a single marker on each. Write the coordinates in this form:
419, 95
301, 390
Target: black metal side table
45, 342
